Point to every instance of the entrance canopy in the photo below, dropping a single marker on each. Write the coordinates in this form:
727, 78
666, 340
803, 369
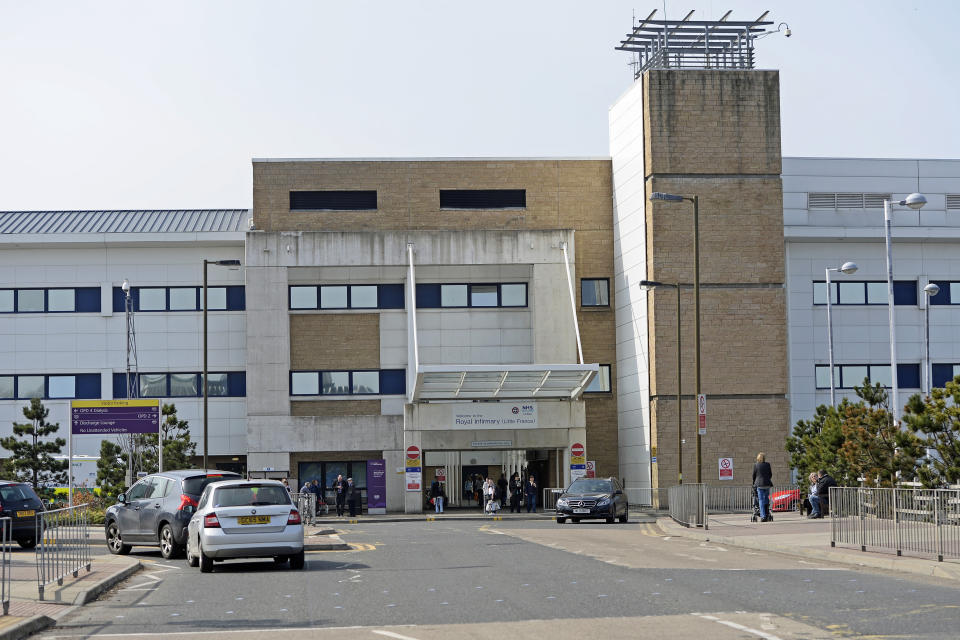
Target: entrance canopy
507, 381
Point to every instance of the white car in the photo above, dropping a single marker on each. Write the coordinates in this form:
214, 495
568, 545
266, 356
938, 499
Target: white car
245, 519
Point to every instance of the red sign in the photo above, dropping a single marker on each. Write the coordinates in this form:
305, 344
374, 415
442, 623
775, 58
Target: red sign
591, 469
577, 449
413, 452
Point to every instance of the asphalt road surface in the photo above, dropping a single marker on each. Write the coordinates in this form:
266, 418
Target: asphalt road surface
522, 579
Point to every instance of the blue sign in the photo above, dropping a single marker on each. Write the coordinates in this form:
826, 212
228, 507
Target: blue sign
653, 459
578, 466
377, 484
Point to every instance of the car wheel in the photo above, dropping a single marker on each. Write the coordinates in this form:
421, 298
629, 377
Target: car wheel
168, 548
561, 520
610, 520
192, 560
296, 560
206, 562
27, 543
281, 559
623, 518
115, 542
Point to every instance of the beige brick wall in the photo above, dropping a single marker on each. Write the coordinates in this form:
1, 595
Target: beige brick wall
335, 341
335, 408
716, 134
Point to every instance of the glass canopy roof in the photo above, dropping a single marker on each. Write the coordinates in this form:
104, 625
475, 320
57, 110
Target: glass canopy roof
508, 381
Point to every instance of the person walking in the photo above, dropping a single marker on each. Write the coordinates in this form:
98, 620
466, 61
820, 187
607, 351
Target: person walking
478, 490
436, 492
530, 494
762, 482
502, 491
813, 497
516, 491
353, 497
340, 488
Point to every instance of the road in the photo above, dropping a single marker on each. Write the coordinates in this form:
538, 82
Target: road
521, 579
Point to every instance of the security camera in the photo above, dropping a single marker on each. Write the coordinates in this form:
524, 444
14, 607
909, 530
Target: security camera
250, 224
787, 33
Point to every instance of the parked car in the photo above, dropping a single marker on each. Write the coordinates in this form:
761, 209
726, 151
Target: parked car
788, 500
155, 511
245, 519
593, 498
21, 504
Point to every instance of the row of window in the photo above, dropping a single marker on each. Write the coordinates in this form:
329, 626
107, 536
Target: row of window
366, 200
348, 383
861, 200
435, 296
231, 384
355, 296
875, 292
80, 300
231, 298
79, 385
846, 376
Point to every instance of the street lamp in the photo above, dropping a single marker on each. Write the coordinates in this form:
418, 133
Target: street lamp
914, 201
206, 385
930, 290
653, 284
847, 268
669, 197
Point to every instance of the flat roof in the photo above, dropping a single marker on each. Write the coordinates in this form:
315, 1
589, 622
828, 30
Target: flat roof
125, 221
441, 159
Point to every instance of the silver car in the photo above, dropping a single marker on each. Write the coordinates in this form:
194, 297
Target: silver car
245, 519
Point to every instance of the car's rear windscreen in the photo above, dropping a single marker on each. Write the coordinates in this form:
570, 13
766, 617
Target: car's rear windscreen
17, 493
250, 495
197, 484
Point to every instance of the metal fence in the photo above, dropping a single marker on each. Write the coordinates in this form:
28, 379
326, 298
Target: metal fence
550, 495
921, 521
648, 498
307, 505
688, 505
739, 498
63, 544
6, 525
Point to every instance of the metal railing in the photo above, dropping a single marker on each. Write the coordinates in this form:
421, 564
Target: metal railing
739, 498
921, 521
688, 505
63, 544
307, 505
6, 526
648, 498
550, 495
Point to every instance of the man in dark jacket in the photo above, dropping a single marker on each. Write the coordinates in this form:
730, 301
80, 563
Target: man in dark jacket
502, 491
824, 482
516, 490
530, 494
353, 497
340, 487
762, 482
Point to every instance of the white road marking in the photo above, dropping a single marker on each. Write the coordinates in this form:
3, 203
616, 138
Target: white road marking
391, 634
738, 627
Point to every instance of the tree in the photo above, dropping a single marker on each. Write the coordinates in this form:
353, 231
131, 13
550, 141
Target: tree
32, 449
177, 446
111, 468
816, 443
936, 418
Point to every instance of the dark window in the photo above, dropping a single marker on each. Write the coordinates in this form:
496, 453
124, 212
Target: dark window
595, 292
949, 292
453, 296
196, 484
391, 296
846, 292
846, 376
52, 386
344, 383
393, 382
333, 200
908, 376
944, 373
88, 300
428, 296
905, 292
178, 299
483, 198
231, 384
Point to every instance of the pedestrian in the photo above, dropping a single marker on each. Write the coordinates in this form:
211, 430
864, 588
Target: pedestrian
436, 494
516, 492
286, 485
478, 490
814, 499
502, 490
306, 502
340, 487
353, 497
468, 488
530, 494
824, 482
316, 492
762, 482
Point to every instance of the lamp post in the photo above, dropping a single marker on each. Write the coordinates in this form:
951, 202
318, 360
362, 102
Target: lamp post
653, 284
206, 385
669, 197
847, 268
930, 290
914, 201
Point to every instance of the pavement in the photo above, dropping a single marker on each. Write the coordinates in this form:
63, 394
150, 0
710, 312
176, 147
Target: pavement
797, 535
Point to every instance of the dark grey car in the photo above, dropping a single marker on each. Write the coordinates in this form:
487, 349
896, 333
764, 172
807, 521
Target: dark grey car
20, 503
593, 498
155, 511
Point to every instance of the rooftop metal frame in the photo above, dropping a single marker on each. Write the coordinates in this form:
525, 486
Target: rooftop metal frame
693, 44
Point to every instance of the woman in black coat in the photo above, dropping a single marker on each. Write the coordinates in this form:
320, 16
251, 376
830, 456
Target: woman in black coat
762, 482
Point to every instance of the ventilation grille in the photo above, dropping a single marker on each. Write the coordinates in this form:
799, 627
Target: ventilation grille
953, 201
846, 200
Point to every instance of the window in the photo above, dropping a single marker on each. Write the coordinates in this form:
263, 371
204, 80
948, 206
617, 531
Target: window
30, 387
79, 385
847, 292
6, 387
383, 296
62, 387
949, 293
942, 374
344, 383
30, 300
847, 376
231, 384
600, 382
231, 298
333, 200
483, 198
6, 301
83, 299
435, 296
595, 292
61, 300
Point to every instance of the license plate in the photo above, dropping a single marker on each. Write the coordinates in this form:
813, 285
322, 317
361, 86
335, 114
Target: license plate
253, 520
26, 514
581, 510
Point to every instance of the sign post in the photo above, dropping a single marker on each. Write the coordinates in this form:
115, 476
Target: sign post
578, 461
110, 417
413, 468
702, 414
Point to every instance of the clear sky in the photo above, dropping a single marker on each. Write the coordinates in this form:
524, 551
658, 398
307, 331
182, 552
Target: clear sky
162, 104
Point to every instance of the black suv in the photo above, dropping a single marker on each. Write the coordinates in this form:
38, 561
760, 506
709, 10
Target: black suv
593, 498
155, 511
19, 503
